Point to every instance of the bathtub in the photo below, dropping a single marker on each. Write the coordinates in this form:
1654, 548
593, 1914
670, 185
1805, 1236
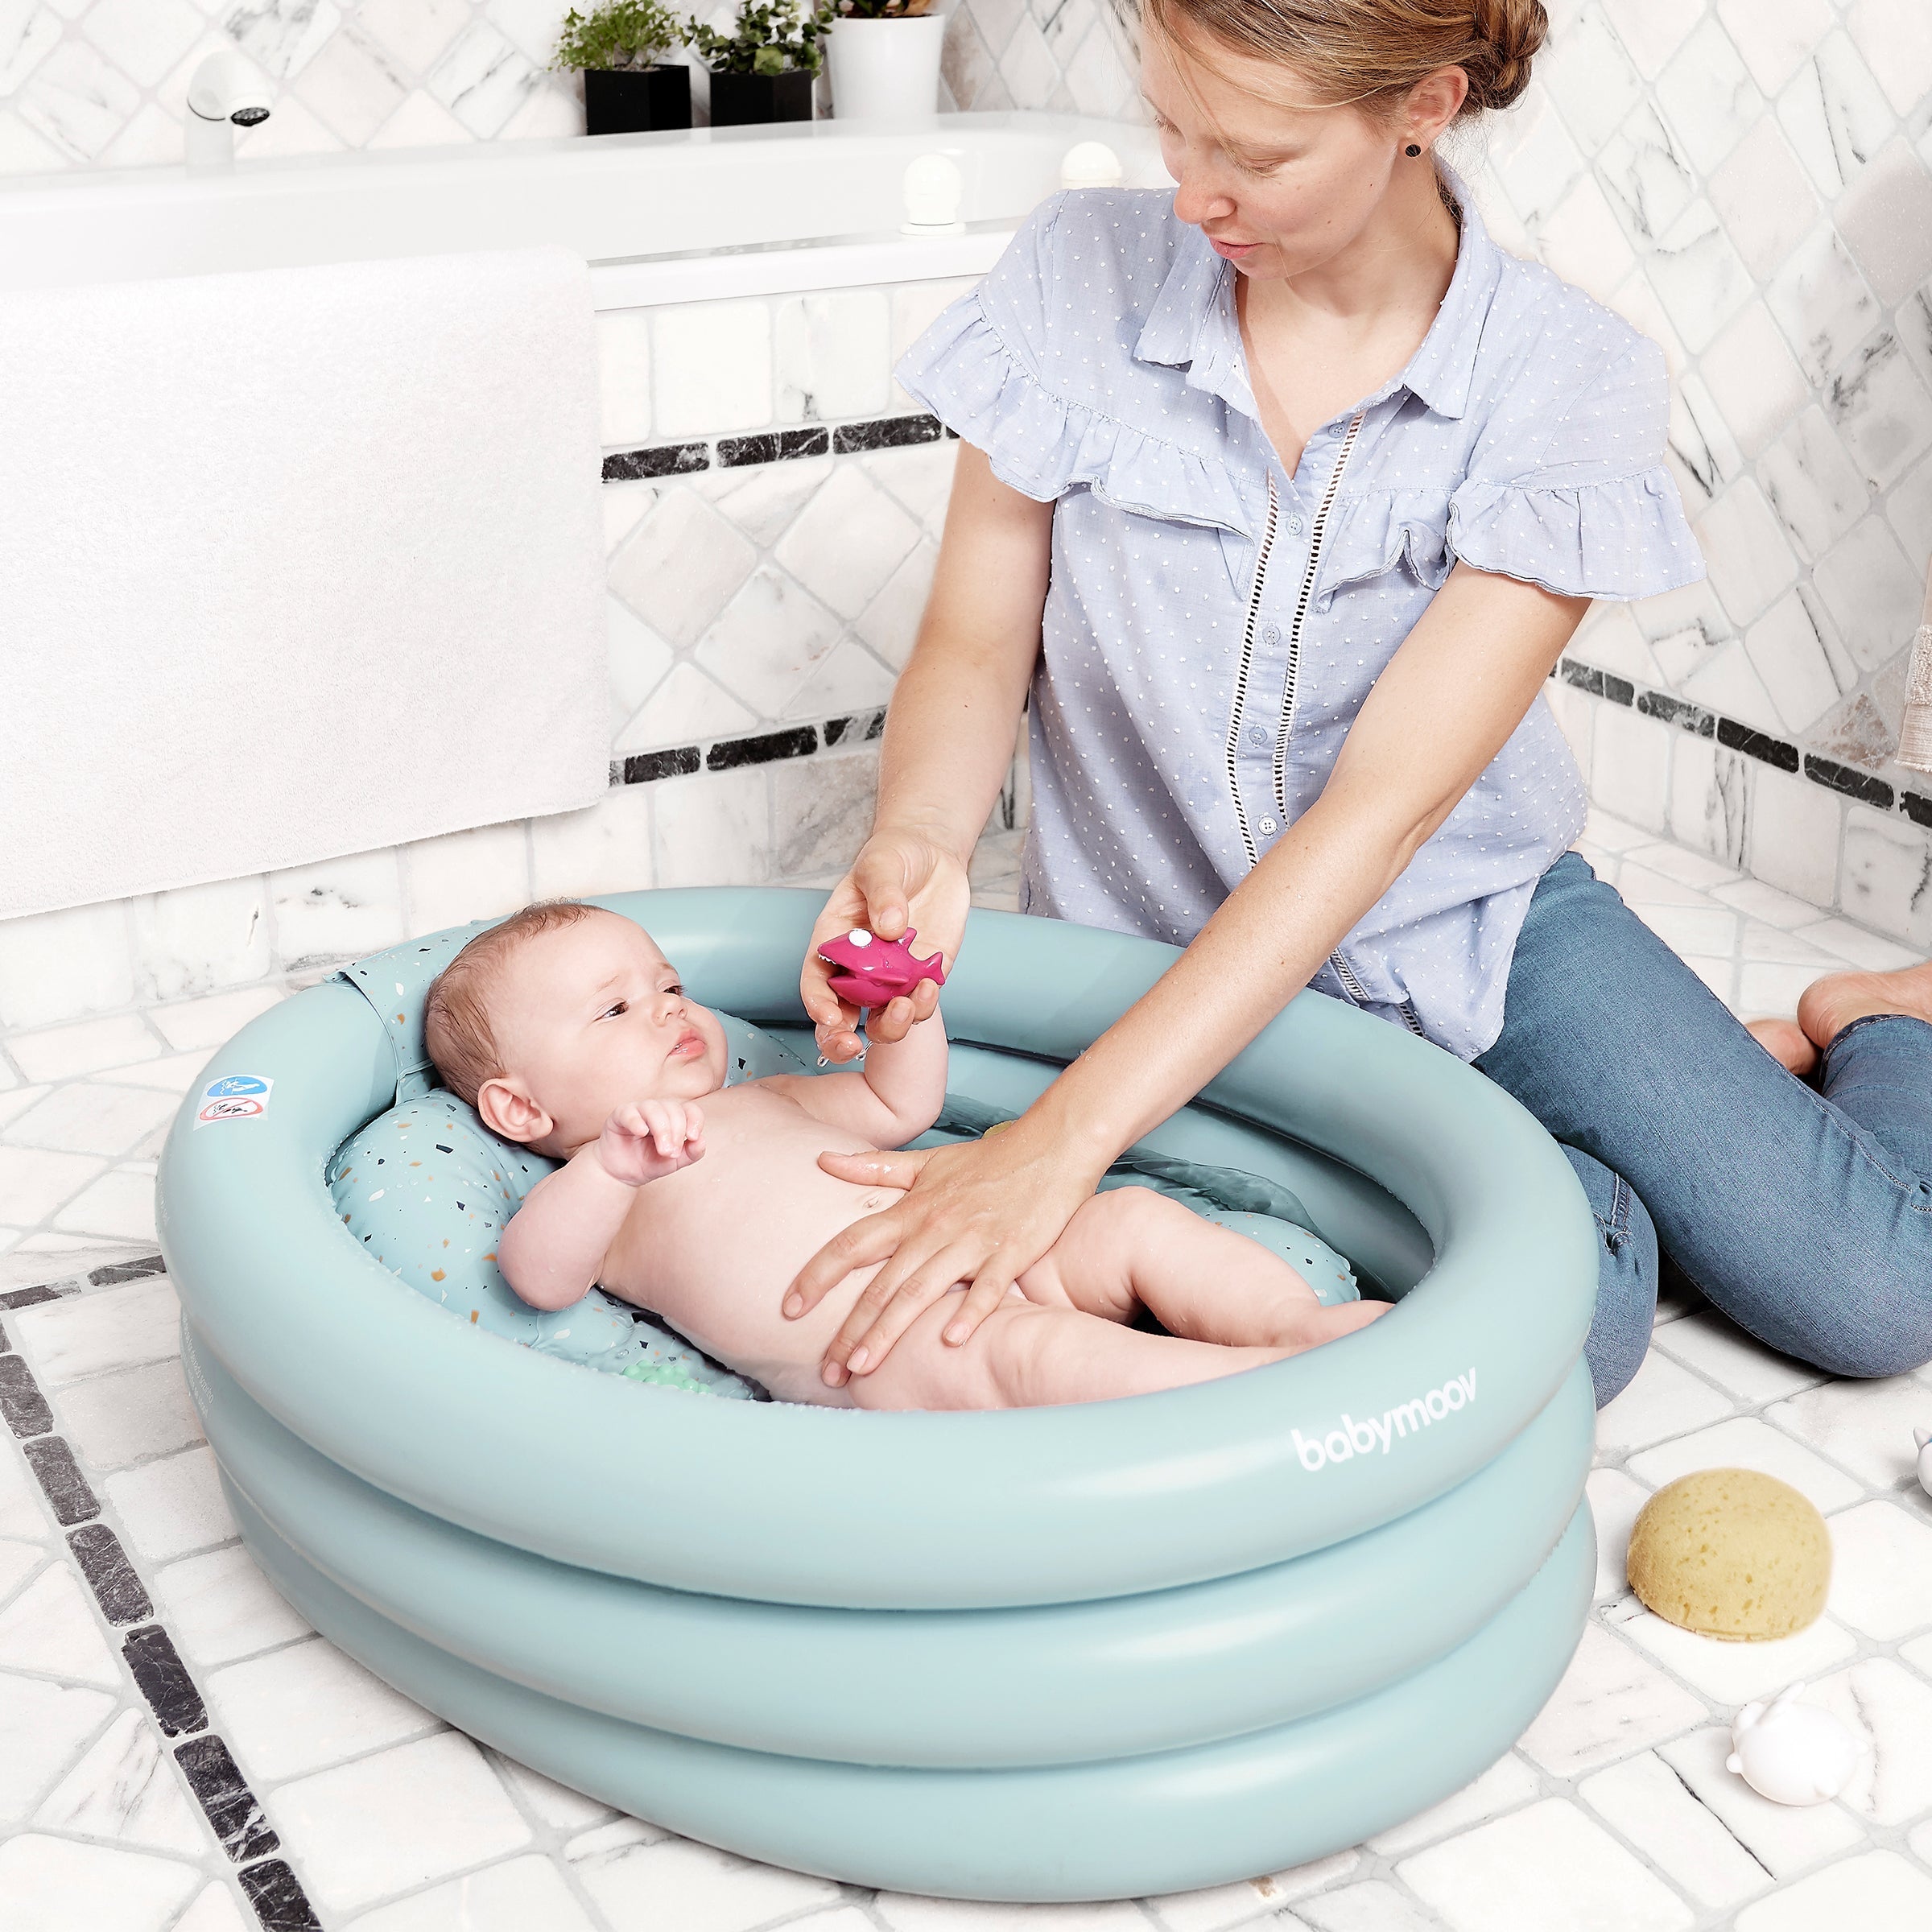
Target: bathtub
668, 217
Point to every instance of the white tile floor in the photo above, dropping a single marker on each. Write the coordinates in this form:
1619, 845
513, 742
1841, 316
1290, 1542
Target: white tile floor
1614, 1813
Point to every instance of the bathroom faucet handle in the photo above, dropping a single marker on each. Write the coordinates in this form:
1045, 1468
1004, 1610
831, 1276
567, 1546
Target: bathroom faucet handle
933, 187
1091, 164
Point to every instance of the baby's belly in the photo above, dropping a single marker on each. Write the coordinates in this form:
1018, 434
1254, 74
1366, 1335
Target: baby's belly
724, 1287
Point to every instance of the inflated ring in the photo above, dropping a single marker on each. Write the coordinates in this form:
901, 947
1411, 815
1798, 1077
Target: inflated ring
1217, 1617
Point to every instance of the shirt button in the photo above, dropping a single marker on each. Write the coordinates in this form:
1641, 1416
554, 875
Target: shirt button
1270, 825
1259, 736
1294, 527
1271, 635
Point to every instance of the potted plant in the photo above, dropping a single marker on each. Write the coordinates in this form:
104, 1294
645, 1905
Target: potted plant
763, 70
886, 58
629, 87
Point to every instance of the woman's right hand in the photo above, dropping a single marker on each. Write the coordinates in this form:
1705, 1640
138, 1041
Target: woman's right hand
900, 879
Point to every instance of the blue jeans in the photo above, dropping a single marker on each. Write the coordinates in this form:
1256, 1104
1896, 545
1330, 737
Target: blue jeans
1804, 1214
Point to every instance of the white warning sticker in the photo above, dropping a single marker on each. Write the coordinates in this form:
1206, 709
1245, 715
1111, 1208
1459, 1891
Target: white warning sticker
235, 1096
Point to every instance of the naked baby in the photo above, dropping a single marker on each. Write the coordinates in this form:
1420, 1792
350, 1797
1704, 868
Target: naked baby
568, 1031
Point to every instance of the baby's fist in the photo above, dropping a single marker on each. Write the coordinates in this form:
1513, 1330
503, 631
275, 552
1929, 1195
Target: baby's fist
649, 1139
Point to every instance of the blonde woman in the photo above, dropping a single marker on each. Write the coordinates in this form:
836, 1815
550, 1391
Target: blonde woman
1283, 495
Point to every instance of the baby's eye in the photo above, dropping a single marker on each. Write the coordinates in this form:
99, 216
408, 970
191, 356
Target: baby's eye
621, 1006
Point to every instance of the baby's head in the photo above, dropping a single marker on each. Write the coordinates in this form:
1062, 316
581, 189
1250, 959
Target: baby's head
547, 1022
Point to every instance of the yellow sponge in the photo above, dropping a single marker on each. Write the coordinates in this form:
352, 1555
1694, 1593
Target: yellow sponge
1731, 1553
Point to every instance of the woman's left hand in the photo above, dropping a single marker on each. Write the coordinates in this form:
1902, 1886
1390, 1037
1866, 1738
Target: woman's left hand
982, 1213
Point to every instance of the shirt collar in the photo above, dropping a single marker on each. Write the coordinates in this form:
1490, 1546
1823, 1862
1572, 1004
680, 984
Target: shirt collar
1192, 323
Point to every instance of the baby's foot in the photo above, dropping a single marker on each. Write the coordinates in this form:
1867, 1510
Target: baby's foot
1828, 1006
1788, 1043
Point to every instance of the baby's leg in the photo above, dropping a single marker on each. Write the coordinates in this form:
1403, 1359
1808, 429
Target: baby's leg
1202, 1282
1026, 1355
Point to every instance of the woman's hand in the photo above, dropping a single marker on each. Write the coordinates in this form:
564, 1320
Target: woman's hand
982, 1212
900, 878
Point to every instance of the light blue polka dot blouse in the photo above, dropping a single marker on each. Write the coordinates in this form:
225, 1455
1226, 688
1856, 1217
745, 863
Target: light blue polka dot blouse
1213, 624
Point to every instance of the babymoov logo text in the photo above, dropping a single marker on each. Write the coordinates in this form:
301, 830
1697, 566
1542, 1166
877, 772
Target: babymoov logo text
1354, 1438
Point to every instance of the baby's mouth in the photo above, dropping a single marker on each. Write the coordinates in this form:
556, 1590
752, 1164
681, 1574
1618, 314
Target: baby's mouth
688, 1046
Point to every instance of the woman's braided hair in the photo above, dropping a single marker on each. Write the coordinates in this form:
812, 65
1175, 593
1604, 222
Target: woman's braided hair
1366, 52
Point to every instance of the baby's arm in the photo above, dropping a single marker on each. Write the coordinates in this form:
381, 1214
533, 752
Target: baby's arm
553, 1250
893, 1098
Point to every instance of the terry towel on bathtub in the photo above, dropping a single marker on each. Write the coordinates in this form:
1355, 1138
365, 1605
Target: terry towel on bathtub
294, 565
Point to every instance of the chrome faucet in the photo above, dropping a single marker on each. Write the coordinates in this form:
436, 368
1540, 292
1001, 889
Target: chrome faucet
223, 95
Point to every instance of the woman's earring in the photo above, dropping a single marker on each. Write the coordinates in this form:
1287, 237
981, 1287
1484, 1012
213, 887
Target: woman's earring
1412, 151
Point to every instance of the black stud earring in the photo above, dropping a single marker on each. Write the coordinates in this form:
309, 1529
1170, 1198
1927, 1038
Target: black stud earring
1412, 151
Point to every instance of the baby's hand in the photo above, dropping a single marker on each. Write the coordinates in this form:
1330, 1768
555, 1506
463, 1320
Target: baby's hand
649, 1139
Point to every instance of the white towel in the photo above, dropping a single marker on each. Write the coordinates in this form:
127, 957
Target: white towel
294, 565
1915, 730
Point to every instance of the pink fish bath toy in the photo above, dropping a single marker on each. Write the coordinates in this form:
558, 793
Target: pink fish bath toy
870, 971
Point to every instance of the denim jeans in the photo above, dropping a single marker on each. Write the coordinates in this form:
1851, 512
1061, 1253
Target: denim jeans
1804, 1214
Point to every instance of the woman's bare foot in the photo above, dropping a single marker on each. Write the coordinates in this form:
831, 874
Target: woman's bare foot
1828, 1006
1788, 1043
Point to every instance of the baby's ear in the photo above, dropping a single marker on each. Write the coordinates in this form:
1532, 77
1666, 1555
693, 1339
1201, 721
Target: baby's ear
514, 1115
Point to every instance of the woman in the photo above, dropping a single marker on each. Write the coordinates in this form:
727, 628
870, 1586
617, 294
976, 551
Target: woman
1284, 499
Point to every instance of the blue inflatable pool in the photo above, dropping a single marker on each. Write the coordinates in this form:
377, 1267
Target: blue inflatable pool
1083, 1653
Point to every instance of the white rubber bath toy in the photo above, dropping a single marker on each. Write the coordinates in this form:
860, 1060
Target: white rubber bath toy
1793, 1753
1923, 1438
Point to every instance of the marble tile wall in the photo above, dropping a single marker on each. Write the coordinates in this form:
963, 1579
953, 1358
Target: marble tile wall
1750, 182
103, 83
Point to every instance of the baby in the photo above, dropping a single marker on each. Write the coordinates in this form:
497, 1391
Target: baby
568, 1030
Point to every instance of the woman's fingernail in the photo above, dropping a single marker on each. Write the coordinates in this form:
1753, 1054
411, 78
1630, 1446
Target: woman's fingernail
955, 1334
856, 1361
830, 1374
794, 1304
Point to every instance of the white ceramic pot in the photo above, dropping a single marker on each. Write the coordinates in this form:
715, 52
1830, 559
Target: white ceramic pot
886, 69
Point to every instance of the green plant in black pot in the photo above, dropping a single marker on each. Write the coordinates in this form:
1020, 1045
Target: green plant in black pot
763, 70
629, 87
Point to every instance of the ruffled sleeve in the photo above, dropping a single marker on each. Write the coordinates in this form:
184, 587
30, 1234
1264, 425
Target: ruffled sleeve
981, 381
1021, 371
1594, 513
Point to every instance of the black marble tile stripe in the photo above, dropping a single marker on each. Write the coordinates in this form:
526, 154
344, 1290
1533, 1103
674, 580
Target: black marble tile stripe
764, 748
121, 1594
53, 1465
41, 1291
128, 1271
1858, 785
222, 1792
1777, 753
642, 767
234, 1813
21, 1401
773, 446
163, 1681
280, 1903
729, 753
